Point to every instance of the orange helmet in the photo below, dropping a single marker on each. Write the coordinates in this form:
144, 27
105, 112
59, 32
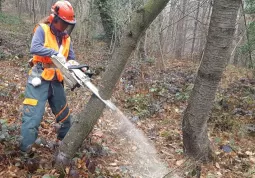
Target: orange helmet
64, 10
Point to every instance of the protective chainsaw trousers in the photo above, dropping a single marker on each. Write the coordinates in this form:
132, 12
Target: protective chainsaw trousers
34, 107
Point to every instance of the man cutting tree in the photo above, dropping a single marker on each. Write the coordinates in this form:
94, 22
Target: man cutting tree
45, 81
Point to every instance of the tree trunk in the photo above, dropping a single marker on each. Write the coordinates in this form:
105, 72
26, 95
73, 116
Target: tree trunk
172, 46
107, 20
238, 36
142, 48
169, 33
159, 38
205, 19
250, 63
84, 122
239, 58
20, 8
26, 6
33, 10
141, 52
1, 2
195, 30
216, 55
180, 32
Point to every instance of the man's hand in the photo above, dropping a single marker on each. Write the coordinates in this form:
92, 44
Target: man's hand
71, 63
60, 58
74, 63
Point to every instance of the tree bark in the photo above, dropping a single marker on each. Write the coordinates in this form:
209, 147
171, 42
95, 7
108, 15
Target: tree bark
107, 20
195, 30
84, 122
168, 39
1, 2
240, 58
238, 36
180, 31
20, 8
33, 10
26, 6
205, 19
194, 126
142, 54
250, 64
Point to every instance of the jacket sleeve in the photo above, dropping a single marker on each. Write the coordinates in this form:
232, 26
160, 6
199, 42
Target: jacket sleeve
37, 45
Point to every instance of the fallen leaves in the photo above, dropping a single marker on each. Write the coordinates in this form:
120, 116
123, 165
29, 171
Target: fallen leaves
163, 127
180, 162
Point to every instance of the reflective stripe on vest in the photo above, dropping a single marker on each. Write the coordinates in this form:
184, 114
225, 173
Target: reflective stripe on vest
50, 41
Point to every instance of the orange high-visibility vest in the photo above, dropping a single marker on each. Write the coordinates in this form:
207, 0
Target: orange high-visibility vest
50, 41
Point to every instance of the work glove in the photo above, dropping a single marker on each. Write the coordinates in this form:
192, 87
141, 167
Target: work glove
71, 63
60, 58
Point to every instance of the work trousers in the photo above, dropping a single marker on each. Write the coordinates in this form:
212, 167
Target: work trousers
34, 108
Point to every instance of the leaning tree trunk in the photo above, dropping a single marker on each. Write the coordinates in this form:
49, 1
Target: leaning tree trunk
84, 122
216, 55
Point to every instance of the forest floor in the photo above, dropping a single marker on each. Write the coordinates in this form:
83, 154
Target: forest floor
154, 101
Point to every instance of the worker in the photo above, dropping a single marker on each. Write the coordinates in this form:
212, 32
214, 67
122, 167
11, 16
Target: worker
45, 81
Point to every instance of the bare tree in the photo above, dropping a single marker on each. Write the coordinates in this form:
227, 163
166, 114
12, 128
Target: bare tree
140, 20
105, 7
1, 2
33, 10
142, 54
180, 30
195, 29
19, 7
247, 36
206, 14
169, 33
216, 55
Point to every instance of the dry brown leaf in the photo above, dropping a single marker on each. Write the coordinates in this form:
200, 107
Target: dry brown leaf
98, 133
252, 159
180, 162
217, 165
67, 170
249, 153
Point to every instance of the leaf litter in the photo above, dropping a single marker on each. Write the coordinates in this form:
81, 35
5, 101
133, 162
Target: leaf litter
110, 153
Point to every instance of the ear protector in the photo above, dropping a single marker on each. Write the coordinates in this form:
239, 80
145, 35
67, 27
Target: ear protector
51, 17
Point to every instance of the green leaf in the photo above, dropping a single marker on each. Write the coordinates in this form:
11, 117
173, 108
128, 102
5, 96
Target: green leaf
3, 121
217, 140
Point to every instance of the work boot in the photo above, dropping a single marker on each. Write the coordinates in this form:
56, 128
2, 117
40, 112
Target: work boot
53, 145
29, 153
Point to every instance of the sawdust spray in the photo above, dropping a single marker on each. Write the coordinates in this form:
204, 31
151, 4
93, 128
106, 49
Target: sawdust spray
137, 154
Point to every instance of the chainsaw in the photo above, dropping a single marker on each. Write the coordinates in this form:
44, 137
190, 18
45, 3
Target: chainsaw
74, 76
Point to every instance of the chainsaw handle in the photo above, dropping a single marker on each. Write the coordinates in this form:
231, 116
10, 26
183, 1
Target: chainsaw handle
78, 66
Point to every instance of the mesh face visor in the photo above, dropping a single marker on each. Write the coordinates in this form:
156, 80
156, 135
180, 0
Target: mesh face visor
69, 28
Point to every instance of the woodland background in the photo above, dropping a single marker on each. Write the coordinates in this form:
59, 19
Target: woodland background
153, 90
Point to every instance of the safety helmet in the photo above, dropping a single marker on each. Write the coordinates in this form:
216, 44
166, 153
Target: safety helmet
64, 10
